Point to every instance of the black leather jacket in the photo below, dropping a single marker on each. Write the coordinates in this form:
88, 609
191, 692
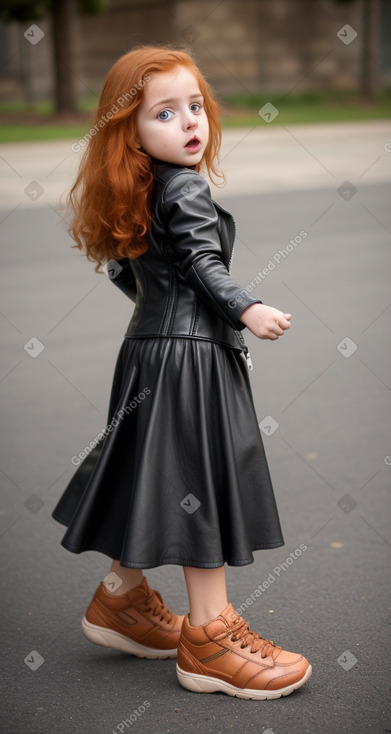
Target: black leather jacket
181, 285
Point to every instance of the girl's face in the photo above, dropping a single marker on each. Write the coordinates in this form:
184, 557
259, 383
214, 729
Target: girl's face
172, 125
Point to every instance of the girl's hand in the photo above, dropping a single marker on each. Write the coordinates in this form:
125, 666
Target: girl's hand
264, 321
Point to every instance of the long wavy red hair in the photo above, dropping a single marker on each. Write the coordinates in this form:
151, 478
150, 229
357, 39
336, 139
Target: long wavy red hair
111, 197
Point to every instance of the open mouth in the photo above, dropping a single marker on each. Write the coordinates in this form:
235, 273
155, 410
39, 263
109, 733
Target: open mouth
193, 145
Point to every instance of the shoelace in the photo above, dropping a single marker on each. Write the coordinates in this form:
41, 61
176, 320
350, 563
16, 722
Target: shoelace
158, 608
240, 631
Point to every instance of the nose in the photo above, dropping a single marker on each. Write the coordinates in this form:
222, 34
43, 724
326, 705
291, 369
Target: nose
189, 120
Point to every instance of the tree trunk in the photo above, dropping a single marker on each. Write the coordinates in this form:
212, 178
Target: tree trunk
64, 29
26, 74
370, 50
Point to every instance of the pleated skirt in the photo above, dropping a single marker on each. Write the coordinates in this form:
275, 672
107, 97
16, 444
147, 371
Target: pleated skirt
179, 474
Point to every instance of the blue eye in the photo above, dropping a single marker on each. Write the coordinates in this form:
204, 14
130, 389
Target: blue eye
165, 113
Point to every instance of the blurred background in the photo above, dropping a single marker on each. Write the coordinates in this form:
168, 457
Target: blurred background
305, 88
315, 61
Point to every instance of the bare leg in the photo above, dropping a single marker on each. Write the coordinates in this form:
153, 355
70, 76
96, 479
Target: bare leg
130, 578
207, 591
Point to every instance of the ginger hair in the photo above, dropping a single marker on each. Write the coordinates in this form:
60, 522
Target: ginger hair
111, 196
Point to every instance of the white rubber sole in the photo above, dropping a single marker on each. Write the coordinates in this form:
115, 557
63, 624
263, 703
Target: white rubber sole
110, 638
207, 684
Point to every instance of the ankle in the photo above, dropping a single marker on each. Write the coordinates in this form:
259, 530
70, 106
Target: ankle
119, 583
200, 618
207, 591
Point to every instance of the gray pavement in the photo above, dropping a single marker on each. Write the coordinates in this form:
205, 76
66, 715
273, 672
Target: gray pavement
322, 395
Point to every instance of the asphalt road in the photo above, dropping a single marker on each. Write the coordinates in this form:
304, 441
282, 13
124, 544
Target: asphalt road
322, 395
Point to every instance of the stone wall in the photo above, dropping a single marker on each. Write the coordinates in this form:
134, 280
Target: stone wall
243, 46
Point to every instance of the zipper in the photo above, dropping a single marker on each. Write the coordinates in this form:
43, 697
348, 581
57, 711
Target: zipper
245, 349
248, 358
195, 319
239, 334
171, 305
233, 245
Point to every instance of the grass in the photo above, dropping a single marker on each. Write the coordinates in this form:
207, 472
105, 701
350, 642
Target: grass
309, 107
21, 122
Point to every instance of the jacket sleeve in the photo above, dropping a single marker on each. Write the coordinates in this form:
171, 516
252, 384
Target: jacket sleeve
123, 277
194, 244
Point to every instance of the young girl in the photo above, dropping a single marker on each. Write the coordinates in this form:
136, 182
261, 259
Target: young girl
179, 475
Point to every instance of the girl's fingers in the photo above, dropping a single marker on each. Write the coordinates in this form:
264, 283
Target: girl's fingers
276, 326
283, 323
280, 328
276, 331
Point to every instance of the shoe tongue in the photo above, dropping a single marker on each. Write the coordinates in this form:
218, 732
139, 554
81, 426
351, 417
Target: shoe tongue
225, 620
138, 593
229, 614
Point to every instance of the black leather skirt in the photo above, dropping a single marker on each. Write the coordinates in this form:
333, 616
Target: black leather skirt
179, 475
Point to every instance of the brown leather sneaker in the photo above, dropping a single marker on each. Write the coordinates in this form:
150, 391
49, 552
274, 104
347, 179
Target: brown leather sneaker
225, 655
137, 622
